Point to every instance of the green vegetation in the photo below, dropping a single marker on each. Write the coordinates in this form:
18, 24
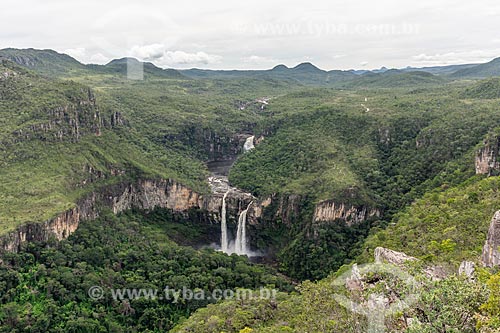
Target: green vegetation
446, 226
44, 288
400, 141
409, 143
53, 133
488, 69
487, 89
453, 303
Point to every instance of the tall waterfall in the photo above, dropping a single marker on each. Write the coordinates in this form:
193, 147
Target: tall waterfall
224, 243
241, 244
249, 144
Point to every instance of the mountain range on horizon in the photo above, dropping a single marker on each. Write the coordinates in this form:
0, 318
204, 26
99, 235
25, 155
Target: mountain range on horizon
33, 56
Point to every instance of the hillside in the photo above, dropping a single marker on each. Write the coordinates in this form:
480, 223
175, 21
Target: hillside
395, 79
46, 62
485, 70
57, 135
487, 89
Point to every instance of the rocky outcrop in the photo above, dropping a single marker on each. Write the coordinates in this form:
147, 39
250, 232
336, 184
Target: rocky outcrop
288, 207
491, 255
382, 254
210, 145
329, 210
145, 194
117, 119
93, 175
57, 228
486, 160
467, 268
68, 122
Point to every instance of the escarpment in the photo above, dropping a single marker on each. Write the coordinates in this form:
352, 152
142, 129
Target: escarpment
328, 210
69, 121
491, 255
486, 161
145, 194
210, 145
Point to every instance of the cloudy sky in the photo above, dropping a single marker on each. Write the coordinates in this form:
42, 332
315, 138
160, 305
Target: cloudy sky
220, 34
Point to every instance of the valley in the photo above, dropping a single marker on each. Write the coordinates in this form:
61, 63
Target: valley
283, 178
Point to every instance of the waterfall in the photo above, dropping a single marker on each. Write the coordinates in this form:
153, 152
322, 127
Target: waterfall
241, 244
223, 226
248, 144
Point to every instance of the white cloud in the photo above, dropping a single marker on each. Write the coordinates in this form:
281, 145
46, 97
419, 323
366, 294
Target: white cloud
364, 63
255, 59
452, 58
159, 55
99, 58
148, 52
172, 58
78, 53
85, 56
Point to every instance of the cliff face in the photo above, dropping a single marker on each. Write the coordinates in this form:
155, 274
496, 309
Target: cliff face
211, 145
491, 255
487, 157
328, 210
144, 194
58, 228
68, 122
147, 194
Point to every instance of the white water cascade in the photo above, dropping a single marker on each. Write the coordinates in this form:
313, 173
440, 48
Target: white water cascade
241, 244
249, 144
224, 243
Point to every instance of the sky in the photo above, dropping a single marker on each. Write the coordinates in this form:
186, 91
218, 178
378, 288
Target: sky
259, 34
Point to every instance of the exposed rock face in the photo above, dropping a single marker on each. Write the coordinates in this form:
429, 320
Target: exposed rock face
467, 268
67, 122
491, 255
382, 254
211, 145
328, 210
288, 207
144, 194
58, 228
487, 157
236, 201
435, 272
117, 119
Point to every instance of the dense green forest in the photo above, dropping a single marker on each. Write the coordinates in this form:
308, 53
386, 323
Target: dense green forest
44, 288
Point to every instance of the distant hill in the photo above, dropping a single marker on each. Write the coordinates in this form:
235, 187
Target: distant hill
486, 89
395, 78
121, 66
46, 62
438, 70
304, 73
488, 69
53, 64
307, 67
